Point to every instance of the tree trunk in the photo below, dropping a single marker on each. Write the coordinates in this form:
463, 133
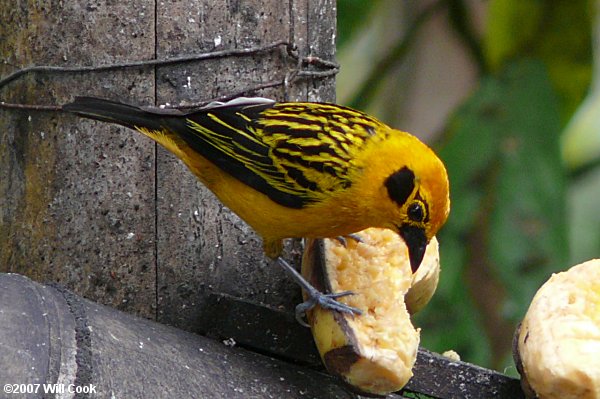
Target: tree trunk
100, 208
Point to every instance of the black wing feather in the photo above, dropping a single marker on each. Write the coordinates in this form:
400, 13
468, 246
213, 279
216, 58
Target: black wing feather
295, 153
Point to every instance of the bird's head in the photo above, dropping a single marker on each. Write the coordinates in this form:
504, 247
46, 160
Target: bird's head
422, 200
413, 192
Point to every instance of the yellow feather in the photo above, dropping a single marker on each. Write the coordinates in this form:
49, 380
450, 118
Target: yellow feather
164, 138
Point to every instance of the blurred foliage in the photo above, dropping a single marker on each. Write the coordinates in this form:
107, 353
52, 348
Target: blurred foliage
556, 32
508, 226
581, 139
584, 193
374, 51
351, 14
518, 212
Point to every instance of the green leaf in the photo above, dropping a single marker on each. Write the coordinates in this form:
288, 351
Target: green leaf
581, 137
556, 31
511, 26
351, 15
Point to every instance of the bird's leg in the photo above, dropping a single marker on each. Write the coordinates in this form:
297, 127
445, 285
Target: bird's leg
315, 297
343, 239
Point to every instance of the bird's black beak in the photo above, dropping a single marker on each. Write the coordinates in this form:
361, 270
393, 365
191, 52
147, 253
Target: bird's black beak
416, 241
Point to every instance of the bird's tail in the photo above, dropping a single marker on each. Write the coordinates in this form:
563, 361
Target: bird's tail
111, 111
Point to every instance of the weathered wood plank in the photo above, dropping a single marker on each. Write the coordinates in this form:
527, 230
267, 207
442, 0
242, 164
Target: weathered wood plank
76, 197
203, 247
100, 208
69, 340
281, 336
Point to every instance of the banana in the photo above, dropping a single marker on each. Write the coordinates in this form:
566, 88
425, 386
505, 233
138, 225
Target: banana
557, 347
425, 280
374, 353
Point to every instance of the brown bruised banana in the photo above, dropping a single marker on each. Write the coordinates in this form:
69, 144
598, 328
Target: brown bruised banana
557, 347
374, 352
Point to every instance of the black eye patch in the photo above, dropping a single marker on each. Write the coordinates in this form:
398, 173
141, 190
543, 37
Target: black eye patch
400, 185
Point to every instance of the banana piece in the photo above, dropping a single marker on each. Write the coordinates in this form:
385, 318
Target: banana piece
374, 352
425, 280
557, 348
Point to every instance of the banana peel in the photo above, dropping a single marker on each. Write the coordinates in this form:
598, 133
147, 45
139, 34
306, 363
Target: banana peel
557, 346
374, 353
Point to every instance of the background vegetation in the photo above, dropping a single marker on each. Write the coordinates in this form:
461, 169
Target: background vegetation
516, 120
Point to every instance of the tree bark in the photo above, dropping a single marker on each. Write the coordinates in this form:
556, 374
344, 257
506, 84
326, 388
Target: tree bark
100, 208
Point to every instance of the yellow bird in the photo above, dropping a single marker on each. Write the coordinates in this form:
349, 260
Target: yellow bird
300, 170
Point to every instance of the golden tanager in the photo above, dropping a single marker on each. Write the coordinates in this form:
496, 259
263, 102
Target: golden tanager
296, 169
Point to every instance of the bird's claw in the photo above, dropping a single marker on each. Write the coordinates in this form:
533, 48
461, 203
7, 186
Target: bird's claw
343, 239
326, 301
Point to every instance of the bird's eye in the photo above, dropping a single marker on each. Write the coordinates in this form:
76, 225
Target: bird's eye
416, 211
